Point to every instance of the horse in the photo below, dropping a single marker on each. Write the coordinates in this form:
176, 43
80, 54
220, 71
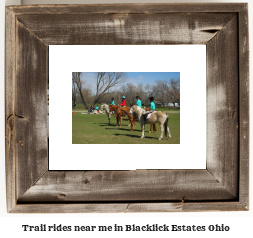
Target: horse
110, 110
157, 116
152, 126
107, 110
122, 111
113, 108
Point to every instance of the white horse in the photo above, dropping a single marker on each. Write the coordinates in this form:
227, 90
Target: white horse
107, 110
157, 116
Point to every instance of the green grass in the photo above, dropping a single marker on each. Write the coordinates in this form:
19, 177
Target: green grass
94, 129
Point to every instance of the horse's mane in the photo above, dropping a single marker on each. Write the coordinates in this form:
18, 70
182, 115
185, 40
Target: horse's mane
138, 110
105, 105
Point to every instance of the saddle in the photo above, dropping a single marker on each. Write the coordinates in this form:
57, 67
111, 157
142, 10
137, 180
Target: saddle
147, 116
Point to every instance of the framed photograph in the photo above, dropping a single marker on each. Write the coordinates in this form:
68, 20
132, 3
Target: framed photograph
136, 38
90, 132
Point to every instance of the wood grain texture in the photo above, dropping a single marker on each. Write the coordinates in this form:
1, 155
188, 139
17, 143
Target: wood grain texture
222, 187
30, 109
139, 185
131, 29
222, 107
9, 109
186, 207
244, 106
128, 207
129, 8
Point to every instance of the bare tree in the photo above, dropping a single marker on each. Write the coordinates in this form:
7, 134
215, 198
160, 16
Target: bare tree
141, 91
105, 81
77, 84
74, 93
117, 96
161, 91
88, 96
174, 92
149, 91
130, 92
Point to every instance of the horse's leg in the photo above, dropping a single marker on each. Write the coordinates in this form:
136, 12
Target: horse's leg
120, 118
109, 118
151, 126
117, 119
161, 127
167, 129
132, 124
154, 127
169, 135
143, 130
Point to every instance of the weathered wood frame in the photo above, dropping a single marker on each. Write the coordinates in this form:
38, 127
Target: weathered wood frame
223, 186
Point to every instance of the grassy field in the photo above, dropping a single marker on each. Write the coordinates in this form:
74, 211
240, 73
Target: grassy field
94, 129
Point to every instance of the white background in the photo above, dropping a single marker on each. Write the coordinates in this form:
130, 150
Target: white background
190, 61
10, 224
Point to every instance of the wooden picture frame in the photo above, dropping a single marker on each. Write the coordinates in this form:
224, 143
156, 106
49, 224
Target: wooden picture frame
222, 186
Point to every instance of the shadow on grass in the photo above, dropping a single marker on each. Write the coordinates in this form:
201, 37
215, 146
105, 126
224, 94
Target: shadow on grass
121, 129
135, 136
104, 124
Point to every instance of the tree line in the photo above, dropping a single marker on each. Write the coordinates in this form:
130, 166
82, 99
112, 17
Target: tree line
165, 91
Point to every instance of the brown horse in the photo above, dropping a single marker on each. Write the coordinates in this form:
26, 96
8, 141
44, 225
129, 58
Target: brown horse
112, 110
122, 111
118, 114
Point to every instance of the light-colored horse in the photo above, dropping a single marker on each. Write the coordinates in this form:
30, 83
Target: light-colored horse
107, 111
157, 116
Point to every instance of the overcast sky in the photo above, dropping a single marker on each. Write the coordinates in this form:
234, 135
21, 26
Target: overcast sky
132, 77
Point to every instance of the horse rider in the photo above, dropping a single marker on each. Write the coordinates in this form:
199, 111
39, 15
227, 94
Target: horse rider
138, 102
112, 101
123, 102
152, 108
152, 104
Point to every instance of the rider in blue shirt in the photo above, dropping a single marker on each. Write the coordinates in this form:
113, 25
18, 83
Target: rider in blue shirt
152, 108
138, 102
112, 101
152, 104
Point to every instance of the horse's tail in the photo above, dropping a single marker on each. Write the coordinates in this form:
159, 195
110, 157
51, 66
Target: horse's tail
166, 125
